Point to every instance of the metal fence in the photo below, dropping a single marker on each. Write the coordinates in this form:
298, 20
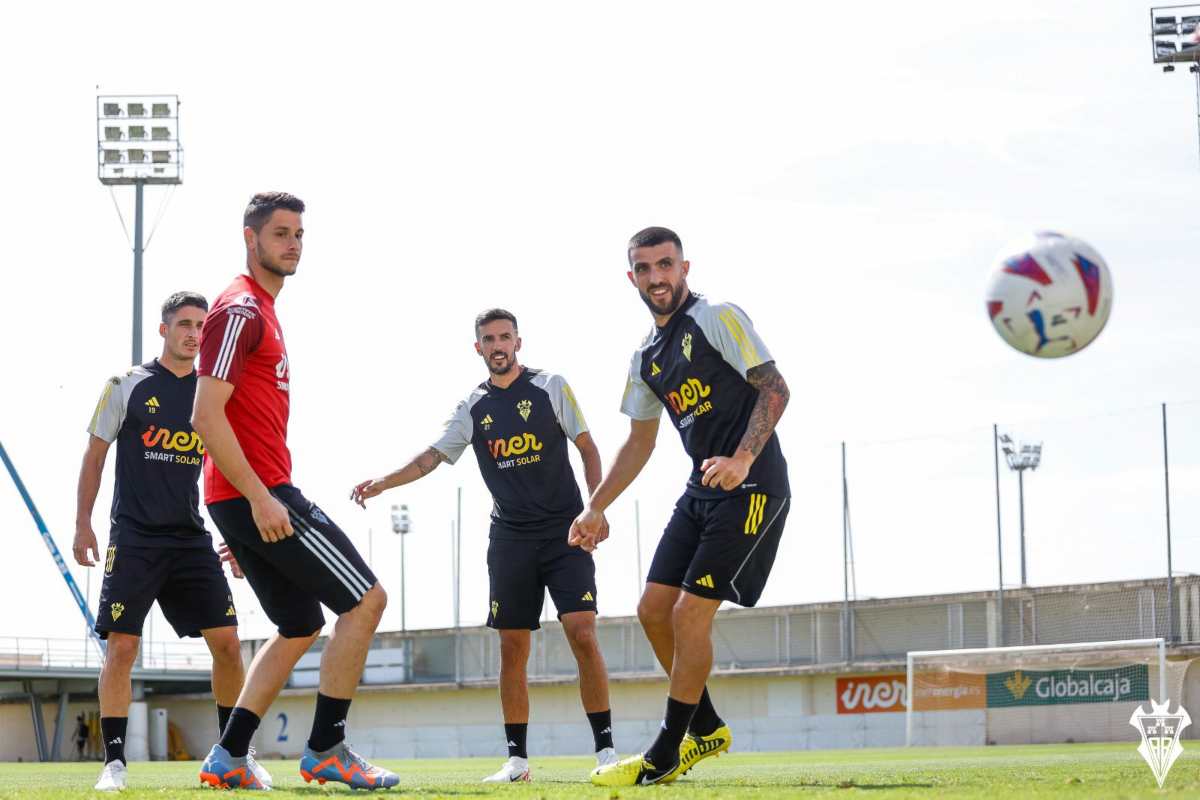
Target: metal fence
797, 638
28, 654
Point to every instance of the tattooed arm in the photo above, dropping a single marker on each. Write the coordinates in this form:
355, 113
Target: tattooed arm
728, 472
420, 466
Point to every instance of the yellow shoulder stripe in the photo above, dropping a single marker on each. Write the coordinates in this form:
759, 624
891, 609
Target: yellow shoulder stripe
108, 387
734, 325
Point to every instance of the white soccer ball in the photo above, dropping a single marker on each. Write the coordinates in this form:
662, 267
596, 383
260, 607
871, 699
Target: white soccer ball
1050, 296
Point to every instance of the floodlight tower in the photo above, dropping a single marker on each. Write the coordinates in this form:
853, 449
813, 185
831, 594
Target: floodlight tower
1175, 39
1020, 458
137, 144
401, 525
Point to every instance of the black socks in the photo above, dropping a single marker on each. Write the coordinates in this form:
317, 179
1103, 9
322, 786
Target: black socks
514, 734
601, 722
664, 753
329, 723
705, 720
113, 731
239, 730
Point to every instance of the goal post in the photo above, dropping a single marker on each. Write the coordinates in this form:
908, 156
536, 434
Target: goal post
1053, 692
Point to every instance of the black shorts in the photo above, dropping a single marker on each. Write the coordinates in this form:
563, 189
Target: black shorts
294, 577
721, 549
187, 582
521, 570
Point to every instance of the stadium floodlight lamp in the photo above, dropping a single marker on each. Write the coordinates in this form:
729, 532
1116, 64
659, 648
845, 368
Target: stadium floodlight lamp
1021, 457
402, 524
120, 134
121, 160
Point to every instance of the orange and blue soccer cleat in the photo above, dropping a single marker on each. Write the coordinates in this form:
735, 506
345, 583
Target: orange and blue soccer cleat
223, 771
340, 764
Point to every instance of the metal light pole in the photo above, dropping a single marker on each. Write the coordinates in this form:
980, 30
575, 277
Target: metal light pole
637, 541
137, 144
999, 535
1020, 458
401, 525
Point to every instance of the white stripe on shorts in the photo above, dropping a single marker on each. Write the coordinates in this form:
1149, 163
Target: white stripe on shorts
334, 556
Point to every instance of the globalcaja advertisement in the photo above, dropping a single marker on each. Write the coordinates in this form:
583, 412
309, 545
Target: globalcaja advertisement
1061, 686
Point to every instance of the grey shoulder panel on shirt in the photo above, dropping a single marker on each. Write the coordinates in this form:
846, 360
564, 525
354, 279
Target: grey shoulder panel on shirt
728, 328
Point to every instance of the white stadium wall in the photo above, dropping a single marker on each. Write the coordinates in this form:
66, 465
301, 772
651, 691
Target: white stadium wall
781, 679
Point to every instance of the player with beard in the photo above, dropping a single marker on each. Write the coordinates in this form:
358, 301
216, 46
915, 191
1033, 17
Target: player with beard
295, 558
518, 422
706, 365
158, 548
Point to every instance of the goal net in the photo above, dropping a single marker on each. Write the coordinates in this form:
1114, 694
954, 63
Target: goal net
1043, 693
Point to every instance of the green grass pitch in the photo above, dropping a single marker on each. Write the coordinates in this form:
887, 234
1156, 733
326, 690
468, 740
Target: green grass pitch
995, 773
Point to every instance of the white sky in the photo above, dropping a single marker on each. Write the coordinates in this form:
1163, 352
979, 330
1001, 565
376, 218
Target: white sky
846, 174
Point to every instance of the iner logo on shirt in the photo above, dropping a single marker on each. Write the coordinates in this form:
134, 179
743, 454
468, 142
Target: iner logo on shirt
689, 394
515, 446
182, 441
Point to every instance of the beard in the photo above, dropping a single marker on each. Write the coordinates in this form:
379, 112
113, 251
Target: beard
673, 302
503, 368
274, 267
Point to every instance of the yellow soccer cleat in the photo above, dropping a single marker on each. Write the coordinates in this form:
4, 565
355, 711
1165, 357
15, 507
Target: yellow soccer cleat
633, 771
695, 749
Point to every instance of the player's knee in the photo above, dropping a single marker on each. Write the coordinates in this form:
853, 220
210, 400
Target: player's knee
226, 650
121, 651
374, 602
514, 646
581, 633
689, 612
653, 613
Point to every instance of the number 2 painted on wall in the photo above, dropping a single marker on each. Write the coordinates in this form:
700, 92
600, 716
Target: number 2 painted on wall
282, 727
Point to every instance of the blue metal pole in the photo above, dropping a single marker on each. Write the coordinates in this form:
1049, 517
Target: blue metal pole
53, 548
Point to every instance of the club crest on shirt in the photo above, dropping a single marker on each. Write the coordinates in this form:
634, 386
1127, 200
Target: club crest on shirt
525, 408
687, 346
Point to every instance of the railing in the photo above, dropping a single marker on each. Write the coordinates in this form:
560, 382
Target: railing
33, 654
878, 632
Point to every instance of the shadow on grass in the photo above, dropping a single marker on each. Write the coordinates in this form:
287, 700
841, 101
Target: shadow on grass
395, 791
810, 785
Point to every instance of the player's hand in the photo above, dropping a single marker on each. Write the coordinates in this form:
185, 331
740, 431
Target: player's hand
85, 543
366, 490
227, 556
589, 529
271, 519
725, 472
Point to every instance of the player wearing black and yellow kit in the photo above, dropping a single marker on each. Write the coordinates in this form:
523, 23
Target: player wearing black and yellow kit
519, 422
158, 548
707, 366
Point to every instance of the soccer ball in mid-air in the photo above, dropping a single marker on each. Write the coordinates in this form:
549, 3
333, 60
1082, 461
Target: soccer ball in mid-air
1051, 296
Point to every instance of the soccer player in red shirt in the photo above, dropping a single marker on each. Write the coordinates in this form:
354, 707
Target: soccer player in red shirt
293, 556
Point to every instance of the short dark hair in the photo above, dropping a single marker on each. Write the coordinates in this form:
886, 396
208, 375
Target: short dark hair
181, 299
491, 315
649, 237
264, 204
